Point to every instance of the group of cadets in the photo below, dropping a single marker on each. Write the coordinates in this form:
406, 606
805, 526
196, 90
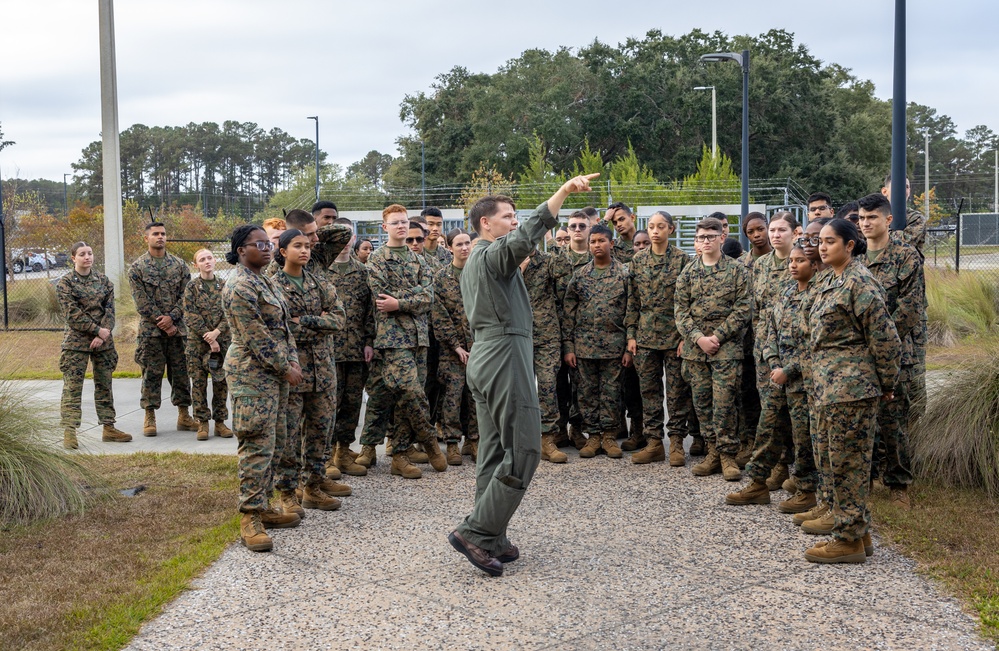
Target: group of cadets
805, 352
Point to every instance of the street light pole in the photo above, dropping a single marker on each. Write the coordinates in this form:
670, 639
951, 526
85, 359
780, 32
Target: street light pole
65, 196
898, 135
714, 120
926, 192
995, 204
423, 172
316, 118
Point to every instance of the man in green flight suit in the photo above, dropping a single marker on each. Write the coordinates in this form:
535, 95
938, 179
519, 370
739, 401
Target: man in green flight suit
500, 371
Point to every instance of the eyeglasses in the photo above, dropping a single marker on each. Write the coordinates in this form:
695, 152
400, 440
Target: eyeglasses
397, 223
706, 238
854, 217
262, 245
561, 240
819, 208
578, 227
814, 240
418, 240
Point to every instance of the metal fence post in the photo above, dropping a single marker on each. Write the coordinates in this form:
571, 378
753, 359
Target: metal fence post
957, 246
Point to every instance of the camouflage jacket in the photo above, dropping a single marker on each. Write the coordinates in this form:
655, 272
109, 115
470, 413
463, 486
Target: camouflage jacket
351, 284
404, 276
769, 278
596, 302
900, 271
853, 342
332, 239
433, 262
650, 319
312, 331
87, 304
914, 232
564, 265
713, 300
263, 347
203, 313
158, 289
787, 338
441, 253
448, 312
624, 250
539, 277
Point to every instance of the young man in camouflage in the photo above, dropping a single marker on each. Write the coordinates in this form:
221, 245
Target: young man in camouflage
594, 342
434, 246
158, 280
620, 215
712, 308
327, 241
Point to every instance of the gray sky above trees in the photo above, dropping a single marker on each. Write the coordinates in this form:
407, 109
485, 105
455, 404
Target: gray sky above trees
353, 62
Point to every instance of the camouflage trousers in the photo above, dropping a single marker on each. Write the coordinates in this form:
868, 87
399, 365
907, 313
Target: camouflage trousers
154, 355
714, 387
779, 407
763, 388
844, 444
547, 361
307, 446
600, 394
652, 365
198, 369
350, 379
397, 404
749, 404
260, 423
567, 395
456, 401
73, 364
892, 453
432, 387
917, 377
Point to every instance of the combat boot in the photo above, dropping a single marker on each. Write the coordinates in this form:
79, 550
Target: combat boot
112, 434
333, 488
437, 459
368, 457
251, 532
549, 452
755, 493
184, 421
470, 449
576, 436
651, 453
730, 469
815, 513
590, 449
275, 519
222, 430
401, 466
790, 485
453, 454
315, 498
777, 476
332, 471
745, 454
203, 430
149, 423
415, 454
698, 448
800, 503
633, 443
711, 464
69, 439
677, 458
610, 446
346, 464
837, 551
562, 438
820, 526
288, 502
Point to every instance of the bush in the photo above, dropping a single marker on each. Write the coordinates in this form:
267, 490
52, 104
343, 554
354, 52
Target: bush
959, 305
33, 303
957, 441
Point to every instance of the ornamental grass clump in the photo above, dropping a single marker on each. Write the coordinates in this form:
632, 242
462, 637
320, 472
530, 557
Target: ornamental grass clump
960, 305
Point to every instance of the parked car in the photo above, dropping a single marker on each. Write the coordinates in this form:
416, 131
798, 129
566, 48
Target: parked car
32, 261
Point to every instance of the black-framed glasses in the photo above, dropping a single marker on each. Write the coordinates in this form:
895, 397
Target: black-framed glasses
416, 240
707, 238
854, 217
814, 240
819, 208
262, 245
578, 227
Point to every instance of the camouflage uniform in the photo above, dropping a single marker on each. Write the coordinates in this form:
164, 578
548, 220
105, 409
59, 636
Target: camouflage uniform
401, 339
749, 396
351, 281
855, 353
432, 357
714, 300
311, 404
539, 279
651, 322
914, 234
332, 239
624, 250
595, 304
87, 304
900, 271
258, 359
158, 289
564, 264
451, 326
441, 253
203, 313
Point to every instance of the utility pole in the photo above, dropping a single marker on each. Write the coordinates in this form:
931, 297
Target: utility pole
423, 172
316, 118
65, 196
898, 176
114, 248
926, 192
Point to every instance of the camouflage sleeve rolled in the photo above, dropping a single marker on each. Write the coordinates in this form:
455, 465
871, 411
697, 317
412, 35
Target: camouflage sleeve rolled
145, 304
73, 313
270, 348
195, 321
742, 309
332, 239
570, 305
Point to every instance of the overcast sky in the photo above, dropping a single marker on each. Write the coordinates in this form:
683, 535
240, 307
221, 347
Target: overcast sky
274, 63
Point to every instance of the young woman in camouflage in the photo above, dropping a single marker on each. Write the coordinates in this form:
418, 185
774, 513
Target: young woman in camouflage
86, 297
856, 356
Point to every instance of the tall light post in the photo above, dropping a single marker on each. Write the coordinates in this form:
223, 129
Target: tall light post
743, 61
714, 120
926, 191
65, 196
898, 135
316, 118
423, 172
995, 205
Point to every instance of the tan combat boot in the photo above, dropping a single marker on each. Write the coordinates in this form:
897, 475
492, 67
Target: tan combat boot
315, 498
815, 513
470, 449
368, 457
745, 454
434, 455
821, 526
730, 469
799, 503
755, 493
112, 434
332, 471
561, 439
346, 463
711, 464
415, 453
677, 459
610, 446
251, 532
336, 489
651, 453
184, 421
790, 485
837, 551
274, 519
453, 455
590, 449
698, 448
777, 476
866, 541
549, 452
149, 423
404, 468
576, 436
222, 430
288, 502
636, 439
202, 430
69, 439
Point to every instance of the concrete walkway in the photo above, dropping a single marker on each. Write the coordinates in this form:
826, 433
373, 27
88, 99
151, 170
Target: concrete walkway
613, 556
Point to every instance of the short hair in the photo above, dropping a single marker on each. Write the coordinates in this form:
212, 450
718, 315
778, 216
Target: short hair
875, 202
454, 233
391, 209
590, 212
431, 212
298, 218
712, 224
720, 216
600, 229
818, 196
276, 223
750, 217
579, 214
419, 219
732, 247
888, 180
846, 209
641, 231
415, 224
154, 225
322, 204
487, 206
344, 221
620, 205
76, 247
786, 216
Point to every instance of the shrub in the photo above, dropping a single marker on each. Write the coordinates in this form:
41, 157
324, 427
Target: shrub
960, 305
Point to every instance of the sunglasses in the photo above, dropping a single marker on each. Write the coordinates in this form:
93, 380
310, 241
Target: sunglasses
578, 227
418, 240
263, 245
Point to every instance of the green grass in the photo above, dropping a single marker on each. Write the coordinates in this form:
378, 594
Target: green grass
960, 305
